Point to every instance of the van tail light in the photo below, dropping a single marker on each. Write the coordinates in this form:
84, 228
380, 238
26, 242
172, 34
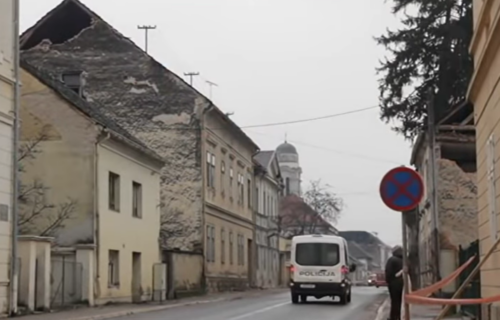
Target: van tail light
344, 270
292, 268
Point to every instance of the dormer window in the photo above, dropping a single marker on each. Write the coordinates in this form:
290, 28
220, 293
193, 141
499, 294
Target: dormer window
73, 80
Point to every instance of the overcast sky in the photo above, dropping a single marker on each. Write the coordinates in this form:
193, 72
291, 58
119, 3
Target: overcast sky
283, 60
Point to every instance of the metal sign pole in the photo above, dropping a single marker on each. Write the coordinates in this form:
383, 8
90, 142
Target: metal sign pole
405, 267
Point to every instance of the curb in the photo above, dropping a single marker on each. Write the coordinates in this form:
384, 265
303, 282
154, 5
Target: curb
165, 307
380, 311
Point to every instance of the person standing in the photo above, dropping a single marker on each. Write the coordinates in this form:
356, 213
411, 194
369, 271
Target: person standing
394, 280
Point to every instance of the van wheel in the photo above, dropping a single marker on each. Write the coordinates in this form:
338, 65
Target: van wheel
303, 298
295, 298
343, 299
349, 297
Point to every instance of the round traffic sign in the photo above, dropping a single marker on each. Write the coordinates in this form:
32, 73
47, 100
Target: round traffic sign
402, 189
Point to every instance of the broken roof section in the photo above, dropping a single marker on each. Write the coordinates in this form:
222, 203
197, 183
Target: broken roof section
74, 99
66, 29
455, 132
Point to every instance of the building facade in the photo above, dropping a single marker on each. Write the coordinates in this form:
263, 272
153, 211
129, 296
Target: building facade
172, 118
268, 188
484, 91
229, 227
89, 176
7, 82
291, 171
456, 196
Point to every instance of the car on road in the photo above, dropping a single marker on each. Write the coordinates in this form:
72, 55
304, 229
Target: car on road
319, 267
380, 280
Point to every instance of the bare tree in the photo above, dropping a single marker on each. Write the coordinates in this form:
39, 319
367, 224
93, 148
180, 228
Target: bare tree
325, 203
36, 213
316, 212
175, 228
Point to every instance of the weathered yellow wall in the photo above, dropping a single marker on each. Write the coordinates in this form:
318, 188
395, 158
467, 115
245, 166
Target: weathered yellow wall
188, 270
63, 162
484, 92
225, 210
120, 230
6, 125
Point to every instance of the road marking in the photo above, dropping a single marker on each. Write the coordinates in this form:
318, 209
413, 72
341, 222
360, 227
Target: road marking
246, 315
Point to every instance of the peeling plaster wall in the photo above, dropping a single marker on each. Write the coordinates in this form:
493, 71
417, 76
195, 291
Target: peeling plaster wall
64, 163
457, 193
457, 201
152, 104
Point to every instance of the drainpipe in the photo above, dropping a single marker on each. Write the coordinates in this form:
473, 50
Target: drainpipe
95, 219
253, 280
203, 193
13, 283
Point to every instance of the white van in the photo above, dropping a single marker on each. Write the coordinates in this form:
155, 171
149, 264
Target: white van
319, 267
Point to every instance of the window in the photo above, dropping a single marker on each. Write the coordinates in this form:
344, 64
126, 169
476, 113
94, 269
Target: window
317, 254
264, 198
231, 249
257, 204
73, 81
113, 268
136, 200
490, 154
241, 189
210, 254
114, 191
223, 174
210, 170
287, 186
241, 250
231, 181
249, 190
222, 246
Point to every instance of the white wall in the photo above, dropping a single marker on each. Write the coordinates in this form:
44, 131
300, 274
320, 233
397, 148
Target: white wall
120, 230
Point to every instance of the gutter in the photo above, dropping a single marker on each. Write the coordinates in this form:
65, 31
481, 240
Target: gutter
203, 193
95, 220
13, 283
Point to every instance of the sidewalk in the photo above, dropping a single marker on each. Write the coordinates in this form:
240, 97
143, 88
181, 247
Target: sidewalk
426, 312
417, 312
120, 310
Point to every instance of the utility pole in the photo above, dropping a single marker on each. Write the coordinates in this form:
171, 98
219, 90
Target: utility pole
210, 85
146, 31
431, 136
191, 75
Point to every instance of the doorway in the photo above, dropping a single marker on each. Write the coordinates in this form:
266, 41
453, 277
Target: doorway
250, 262
136, 277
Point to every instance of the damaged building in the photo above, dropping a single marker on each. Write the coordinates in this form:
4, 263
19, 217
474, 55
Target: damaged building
456, 193
198, 207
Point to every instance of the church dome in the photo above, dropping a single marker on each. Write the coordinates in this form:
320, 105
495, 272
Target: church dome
286, 148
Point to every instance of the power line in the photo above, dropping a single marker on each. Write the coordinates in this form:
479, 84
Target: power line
308, 119
146, 31
354, 155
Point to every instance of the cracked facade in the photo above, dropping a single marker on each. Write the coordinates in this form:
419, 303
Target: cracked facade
456, 197
166, 114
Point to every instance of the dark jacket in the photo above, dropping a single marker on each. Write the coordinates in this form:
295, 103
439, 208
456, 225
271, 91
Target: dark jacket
393, 265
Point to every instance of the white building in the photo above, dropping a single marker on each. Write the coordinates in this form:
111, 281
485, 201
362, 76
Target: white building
268, 186
291, 171
6, 124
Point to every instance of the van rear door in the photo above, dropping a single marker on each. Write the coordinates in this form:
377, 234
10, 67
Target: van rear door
317, 262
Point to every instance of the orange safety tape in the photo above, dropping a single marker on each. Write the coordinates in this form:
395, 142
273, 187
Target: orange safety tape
427, 291
434, 301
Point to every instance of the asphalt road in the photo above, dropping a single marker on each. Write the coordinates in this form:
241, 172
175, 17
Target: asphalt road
276, 307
